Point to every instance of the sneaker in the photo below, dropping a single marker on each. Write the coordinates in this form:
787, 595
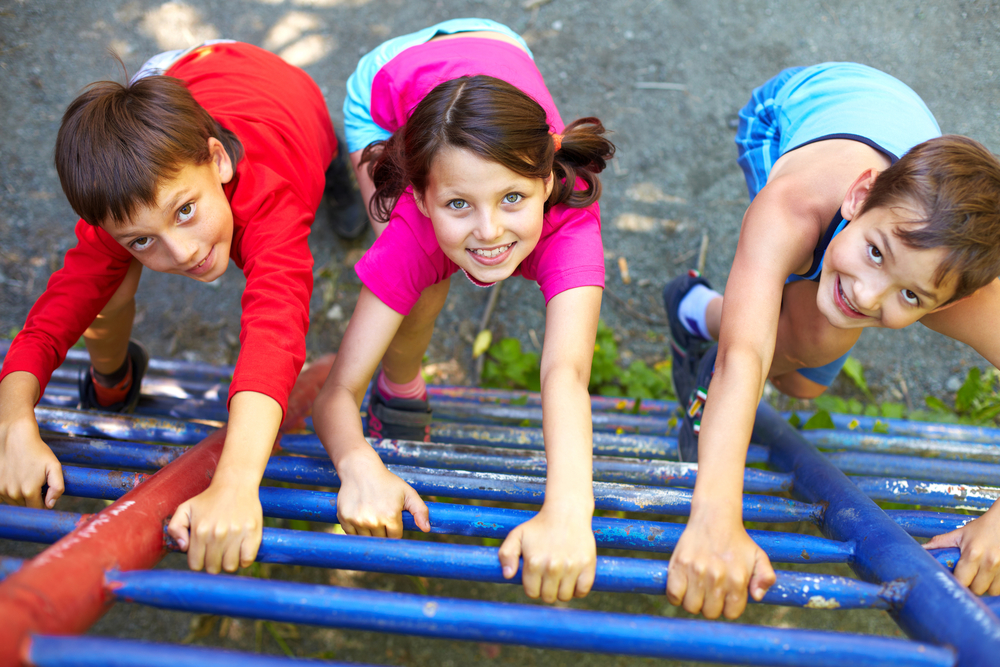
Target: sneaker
398, 418
692, 403
140, 362
686, 349
342, 197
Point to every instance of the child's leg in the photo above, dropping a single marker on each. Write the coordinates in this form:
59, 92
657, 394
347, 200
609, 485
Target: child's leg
401, 362
107, 338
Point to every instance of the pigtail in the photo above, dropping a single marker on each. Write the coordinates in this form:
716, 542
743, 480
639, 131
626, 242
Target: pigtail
583, 153
385, 162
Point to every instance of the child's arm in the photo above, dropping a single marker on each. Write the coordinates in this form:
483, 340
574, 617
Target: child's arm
220, 528
974, 321
26, 463
715, 560
371, 499
558, 545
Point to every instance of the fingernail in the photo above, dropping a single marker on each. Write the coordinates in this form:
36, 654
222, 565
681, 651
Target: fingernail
508, 571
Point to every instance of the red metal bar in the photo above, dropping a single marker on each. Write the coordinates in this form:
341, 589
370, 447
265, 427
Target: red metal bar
61, 591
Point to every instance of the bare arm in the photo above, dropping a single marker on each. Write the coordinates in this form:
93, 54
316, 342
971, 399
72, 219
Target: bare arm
974, 321
558, 543
365, 185
26, 463
371, 499
221, 527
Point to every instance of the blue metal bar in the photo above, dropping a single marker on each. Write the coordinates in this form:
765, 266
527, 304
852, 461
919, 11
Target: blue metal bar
110, 484
113, 453
529, 625
453, 561
58, 651
915, 467
905, 427
9, 566
605, 444
518, 397
904, 444
523, 489
466, 411
125, 427
949, 558
937, 609
530, 461
929, 494
920, 523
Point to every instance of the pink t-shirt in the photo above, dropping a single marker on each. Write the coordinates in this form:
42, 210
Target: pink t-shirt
406, 258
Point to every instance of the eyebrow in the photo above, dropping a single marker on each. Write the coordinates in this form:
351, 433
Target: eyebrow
916, 288
169, 207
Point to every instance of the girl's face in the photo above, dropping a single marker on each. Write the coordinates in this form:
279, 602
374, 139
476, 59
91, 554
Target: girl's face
486, 218
871, 278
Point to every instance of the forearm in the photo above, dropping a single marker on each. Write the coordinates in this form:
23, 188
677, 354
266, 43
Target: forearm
19, 391
568, 433
726, 426
254, 419
338, 423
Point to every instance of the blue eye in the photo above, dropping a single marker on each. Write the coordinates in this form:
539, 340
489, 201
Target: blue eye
458, 204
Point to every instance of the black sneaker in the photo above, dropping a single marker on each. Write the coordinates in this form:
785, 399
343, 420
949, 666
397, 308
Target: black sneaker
342, 198
693, 403
398, 418
686, 349
88, 398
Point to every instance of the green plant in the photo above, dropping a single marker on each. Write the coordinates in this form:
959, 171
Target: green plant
507, 366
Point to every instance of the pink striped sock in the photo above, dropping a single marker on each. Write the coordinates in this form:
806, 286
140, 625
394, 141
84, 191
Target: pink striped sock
414, 389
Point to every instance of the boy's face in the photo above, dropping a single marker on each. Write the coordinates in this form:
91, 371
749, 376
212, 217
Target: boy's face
190, 228
871, 278
486, 218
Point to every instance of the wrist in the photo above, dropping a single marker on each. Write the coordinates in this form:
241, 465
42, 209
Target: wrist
717, 509
355, 456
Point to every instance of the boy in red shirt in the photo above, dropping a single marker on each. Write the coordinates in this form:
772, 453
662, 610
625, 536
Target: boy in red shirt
212, 153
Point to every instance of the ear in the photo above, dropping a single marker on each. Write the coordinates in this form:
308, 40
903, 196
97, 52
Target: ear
418, 197
549, 184
218, 155
858, 193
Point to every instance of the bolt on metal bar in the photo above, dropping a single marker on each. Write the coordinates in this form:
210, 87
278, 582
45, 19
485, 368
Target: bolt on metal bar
528, 625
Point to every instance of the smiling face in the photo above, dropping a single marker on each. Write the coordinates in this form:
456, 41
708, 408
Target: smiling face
871, 278
486, 218
189, 230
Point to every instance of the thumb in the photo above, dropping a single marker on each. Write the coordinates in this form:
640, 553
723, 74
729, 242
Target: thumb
945, 540
510, 553
763, 576
180, 524
413, 504
54, 478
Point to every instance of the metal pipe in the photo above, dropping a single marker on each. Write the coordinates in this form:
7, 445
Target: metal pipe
529, 625
928, 494
920, 523
56, 651
937, 609
916, 467
60, 590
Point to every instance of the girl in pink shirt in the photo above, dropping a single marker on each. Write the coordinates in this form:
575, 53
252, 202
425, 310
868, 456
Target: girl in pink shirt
465, 164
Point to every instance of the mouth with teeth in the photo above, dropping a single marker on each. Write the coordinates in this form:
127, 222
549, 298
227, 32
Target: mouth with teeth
204, 265
491, 256
844, 304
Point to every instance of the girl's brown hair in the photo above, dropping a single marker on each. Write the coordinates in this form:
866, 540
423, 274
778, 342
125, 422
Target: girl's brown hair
497, 122
117, 143
954, 182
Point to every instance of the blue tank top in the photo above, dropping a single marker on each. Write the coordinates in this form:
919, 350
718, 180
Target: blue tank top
835, 227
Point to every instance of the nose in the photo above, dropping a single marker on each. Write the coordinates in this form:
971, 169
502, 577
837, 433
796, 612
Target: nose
489, 227
869, 293
183, 251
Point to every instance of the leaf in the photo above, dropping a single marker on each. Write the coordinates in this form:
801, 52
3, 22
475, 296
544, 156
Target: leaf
854, 370
855, 407
831, 403
893, 410
880, 427
482, 343
871, 411
795, 420
819, 420
936, 404
971, 390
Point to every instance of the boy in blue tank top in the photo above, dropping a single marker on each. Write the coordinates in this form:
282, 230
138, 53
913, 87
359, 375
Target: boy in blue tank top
862, 215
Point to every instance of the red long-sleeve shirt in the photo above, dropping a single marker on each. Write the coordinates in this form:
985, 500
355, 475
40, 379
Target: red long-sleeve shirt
281, 119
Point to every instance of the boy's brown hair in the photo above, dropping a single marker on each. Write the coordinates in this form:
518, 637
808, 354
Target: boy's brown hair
117, 143
955, 182
497, 122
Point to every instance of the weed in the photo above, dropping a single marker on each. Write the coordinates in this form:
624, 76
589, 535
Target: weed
508, 366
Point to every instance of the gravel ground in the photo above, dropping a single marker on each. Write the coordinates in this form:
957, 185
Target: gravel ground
675, 177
